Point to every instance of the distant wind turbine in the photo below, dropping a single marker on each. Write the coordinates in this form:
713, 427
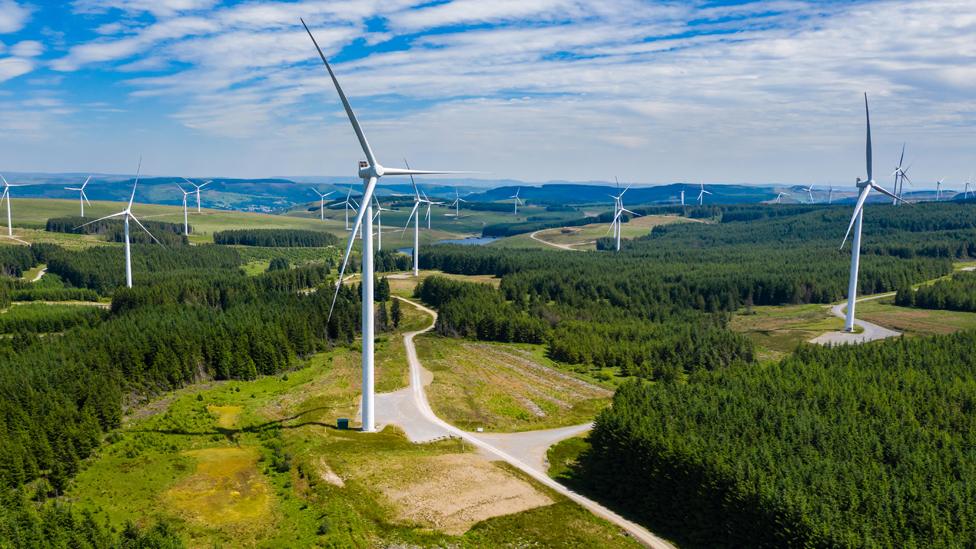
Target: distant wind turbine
379, 223
418, 199
81, 198
779, 198
830, 195
457, 204
900, 175
517, 199
186, 221
200, 186
430, 204
126, 214
938, 190
857, 220
370, 171
350, 203
966, 195
810, 193
6, 196
702, 193
618, 213
682, 197
322, 202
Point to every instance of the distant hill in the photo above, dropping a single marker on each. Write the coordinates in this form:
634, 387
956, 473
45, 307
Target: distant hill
561, 193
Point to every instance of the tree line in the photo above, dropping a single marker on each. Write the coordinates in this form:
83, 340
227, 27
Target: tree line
273, 238
113, 230
957, 293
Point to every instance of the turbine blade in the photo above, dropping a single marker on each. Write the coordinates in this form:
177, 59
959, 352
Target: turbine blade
100, 219
408, 171
867, 148
135, 183
409, 217
857, 209
885, 192
902, 159
85, 197
134, 218
85, 184
345, 104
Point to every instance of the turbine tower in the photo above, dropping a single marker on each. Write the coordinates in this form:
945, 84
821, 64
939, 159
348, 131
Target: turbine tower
682, 197
966, 195
82, 198
899, 174
370, 172
6, 196
322, 203
830, 195
127, 215
517, 199
938, 190
857, 220
702, 193
430, 204
779, 198
810, 193
200, 186
186, 221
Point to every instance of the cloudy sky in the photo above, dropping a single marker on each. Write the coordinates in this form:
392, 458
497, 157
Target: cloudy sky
650, 91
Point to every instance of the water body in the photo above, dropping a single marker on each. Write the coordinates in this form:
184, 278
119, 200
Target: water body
470, 241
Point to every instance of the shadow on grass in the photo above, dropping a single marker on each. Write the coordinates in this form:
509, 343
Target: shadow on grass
231, 433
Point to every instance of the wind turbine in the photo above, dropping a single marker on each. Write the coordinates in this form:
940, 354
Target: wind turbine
810, 193
415, 215
321, 201
186, 222
779, 198
379, 223
82, 198
966, 195
615, 224
682, 197
430, 204
457, 204
701, 195
350, 202
6, 196
830, 195
899, 174
517, 199
127, 215
857, 220
370, 171
200, 186
938, 190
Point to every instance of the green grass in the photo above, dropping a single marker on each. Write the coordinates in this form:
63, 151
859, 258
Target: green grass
777, 330
184, 461
913, 321
563, 455
504, 388
584, 237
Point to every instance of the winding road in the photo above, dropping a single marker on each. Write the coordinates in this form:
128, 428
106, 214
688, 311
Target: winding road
524, 451
870, 331
535, 236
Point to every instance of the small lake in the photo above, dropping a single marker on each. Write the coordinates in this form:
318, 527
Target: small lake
471, 241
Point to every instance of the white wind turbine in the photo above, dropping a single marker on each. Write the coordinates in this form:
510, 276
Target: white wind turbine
186, 221
415, 215
322, 203
349, 203
127, 215
682, 197
379, 223
200, 186
370, 171
517, 200
900, 175
430, 204
702, 193
830, 195
857, 220
457, 204
966, 195
938, 190
6, 196
619, 207
82, 198
810, 193
779, 198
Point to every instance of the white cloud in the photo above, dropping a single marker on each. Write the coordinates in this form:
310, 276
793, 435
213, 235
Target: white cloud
12, 67
160, 8
27, 48
13, 16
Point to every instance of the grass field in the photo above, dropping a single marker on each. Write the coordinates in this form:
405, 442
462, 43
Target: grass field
504, 387
912, 321
403, 284
260, 464
585, 237
777, 330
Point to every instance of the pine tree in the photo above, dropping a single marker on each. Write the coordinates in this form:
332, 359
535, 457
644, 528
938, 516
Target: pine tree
383, 318
395, 313
383, 290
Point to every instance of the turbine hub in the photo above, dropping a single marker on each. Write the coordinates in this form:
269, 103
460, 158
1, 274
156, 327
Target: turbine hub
366, 171
861, 183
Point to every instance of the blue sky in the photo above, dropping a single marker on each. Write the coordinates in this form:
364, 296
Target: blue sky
530, 89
